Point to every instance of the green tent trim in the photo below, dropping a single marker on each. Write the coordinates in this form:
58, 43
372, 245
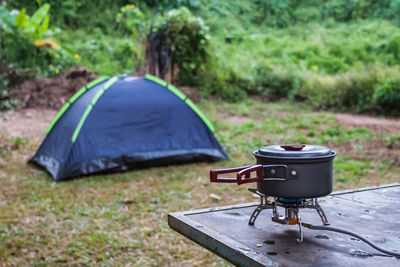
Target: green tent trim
182, 96
89, 108
73, 99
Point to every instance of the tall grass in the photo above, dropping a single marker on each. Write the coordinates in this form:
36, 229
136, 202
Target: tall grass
330, 65
102, 53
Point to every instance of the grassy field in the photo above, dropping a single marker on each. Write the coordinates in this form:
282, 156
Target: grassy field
121, 219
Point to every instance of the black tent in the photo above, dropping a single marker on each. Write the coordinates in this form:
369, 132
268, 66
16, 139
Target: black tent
116, 124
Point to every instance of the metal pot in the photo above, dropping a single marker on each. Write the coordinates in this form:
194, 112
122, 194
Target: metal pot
287, 171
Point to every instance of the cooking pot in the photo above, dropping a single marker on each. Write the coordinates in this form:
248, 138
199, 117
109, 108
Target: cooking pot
286, 171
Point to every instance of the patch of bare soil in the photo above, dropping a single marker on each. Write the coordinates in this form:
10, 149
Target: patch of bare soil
30, 124
52, 92
191, 93
369, 150
237, 120
378, 125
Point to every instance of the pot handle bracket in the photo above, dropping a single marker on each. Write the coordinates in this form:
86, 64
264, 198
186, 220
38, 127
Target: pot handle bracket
275, 173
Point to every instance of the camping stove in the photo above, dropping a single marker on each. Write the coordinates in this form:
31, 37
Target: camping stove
291, 207
291, 177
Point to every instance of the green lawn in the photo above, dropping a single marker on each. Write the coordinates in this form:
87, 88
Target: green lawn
117, 219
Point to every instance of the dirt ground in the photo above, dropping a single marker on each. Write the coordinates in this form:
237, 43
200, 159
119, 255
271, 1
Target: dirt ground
28, 123
52, 92
390, 126
32, 123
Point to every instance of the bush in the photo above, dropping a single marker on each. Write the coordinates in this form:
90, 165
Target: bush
393, 47
387, 97
6, 79
25, 42
351, 91
282, 81
185, 37
221, 81
26, 49
108, 55
77, 14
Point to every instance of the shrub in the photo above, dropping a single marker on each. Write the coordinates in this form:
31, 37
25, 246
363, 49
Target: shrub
25, 42
132, 20
387, 96
26, 48
221, 81
346, 91
76, 14
185, 37
393, 47
276, 80
6, 79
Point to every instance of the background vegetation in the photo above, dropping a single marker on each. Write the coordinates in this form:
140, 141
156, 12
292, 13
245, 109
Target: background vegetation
333, 54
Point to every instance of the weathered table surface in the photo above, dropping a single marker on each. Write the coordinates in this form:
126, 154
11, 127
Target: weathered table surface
373, 212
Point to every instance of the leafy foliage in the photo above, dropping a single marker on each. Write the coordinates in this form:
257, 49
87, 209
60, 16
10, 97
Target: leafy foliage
335, 67
6, 79
26, 41
26, 48
76, 14
35, 26
132, 21
387, 96
186, 38
163, 5
103, 53
332, 54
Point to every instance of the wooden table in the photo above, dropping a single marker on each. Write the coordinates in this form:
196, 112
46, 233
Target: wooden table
373, 212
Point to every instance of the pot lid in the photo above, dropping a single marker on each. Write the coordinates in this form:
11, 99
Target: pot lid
294, 151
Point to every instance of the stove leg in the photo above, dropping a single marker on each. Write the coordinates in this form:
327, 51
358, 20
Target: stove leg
300, 239
321, 213
254, 215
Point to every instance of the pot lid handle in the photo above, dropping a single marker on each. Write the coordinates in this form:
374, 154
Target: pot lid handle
293, 147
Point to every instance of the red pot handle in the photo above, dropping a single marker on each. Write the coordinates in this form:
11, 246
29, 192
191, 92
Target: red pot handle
240, 172
246, 172
214, 175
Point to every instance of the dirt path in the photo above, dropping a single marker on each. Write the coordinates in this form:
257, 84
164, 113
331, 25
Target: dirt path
378, 125
391, 126
42, 92
32, 123
27, 123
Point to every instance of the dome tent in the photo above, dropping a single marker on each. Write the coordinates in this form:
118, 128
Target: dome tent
116, 124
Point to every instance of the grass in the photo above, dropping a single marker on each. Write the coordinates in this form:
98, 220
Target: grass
102, 53
119, 219
330, 65
320, 48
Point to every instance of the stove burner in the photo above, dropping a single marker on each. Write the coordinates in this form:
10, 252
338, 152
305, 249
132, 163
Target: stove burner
291, 207
290, 200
